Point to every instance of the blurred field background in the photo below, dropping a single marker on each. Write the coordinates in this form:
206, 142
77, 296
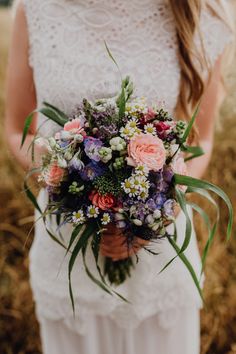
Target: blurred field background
18, 325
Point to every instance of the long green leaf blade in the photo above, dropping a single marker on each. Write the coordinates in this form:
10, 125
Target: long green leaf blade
188, 230
53, 115
28, 122
197, 183
80, 243
188, 265
190, 125
60, 113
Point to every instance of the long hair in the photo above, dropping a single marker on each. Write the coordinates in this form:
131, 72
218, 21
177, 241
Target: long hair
192, 59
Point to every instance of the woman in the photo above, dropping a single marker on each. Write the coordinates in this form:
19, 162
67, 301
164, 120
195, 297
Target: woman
174, 54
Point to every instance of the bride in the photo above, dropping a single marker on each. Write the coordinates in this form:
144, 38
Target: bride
174, 52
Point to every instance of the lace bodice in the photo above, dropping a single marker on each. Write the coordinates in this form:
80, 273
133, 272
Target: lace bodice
69, 62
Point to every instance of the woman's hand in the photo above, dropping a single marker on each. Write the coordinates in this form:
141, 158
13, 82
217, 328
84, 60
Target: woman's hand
114, 244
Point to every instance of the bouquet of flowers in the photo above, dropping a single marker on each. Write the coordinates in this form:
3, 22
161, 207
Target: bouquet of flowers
119, 165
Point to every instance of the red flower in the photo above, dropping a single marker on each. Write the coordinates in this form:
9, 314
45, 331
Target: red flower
104, 202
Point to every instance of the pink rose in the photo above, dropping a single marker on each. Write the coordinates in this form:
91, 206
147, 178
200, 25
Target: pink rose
74, 126
147, 150
179, 167
54, 175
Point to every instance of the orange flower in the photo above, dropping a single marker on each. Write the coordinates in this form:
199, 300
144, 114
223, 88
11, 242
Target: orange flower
54, 175
146, 150
104, 202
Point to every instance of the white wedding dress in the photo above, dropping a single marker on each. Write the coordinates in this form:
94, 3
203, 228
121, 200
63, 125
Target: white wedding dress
69, 62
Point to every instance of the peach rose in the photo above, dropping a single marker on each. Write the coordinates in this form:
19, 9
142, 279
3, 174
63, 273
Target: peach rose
74, 126
104, 202
179, 167
147, 150
54, 175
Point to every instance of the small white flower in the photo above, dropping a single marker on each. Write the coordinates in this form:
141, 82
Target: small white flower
150, 129
105, 219
78, 217
157, 214
61, 162
149, 219
92, 211
141, 170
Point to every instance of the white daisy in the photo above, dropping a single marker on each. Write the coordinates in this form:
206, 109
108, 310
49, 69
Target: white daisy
92, 211
150, 129
78, 217
105, 219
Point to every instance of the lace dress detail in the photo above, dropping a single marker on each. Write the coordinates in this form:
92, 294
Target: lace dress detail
69, 62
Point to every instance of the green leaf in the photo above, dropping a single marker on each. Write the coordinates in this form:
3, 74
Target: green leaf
195, 151
28, 122
188, 230
111, 56
31, 197
54, 238
187, 264
60, 113
74, 234
53, 115
190, 125
84, 237
122, 103
204, 185
211, 231
91, 276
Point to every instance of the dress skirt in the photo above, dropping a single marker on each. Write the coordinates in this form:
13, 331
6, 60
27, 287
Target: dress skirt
105, 337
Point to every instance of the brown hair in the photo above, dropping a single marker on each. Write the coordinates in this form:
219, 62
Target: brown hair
191, 59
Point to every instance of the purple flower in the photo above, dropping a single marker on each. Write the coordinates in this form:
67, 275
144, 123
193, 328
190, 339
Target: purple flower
151, 204
91, 171
168, 174
75, 164
169, 207
159, 199
91, 148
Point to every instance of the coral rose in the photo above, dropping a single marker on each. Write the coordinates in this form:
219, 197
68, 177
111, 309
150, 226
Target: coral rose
74, 126
104, 202
54, 175
147, 150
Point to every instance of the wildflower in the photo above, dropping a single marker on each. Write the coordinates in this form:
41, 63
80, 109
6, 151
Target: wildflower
91, 171
150, 129
92, 147
75, 163
105, 154
105, 219
117, 144
141, 170
92, 211
78, 217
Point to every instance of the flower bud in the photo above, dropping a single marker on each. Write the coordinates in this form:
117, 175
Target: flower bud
137, 222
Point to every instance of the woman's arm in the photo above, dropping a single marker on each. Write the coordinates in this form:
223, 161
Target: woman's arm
20, 92
205, 120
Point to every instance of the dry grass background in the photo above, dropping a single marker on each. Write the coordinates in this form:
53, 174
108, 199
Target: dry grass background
18, 326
